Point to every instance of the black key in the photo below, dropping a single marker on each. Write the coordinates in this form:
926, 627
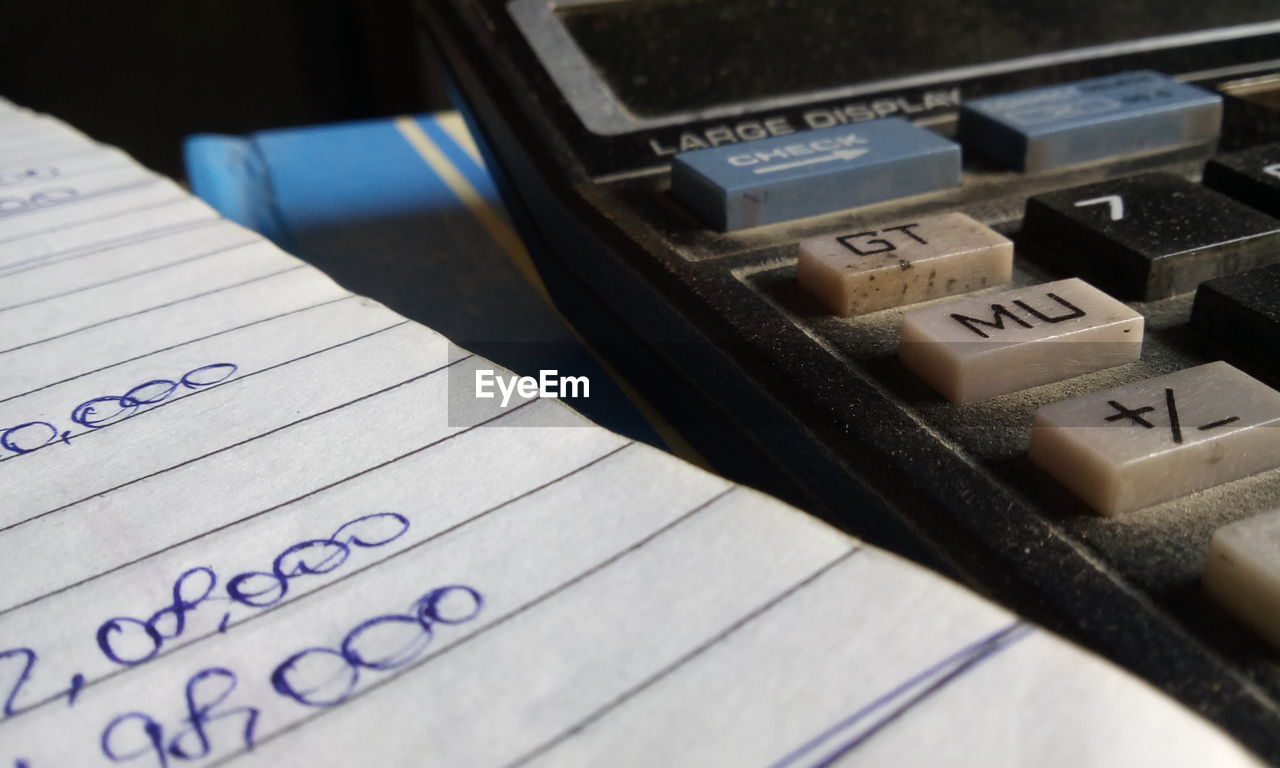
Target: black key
1151, 236
1242, 313
1251, 176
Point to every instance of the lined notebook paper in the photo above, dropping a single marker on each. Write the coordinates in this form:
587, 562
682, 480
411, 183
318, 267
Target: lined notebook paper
241, 526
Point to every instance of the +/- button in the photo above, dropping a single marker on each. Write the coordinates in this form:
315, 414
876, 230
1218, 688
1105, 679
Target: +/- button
1242, 313
1151, 236
1132, 112
1251, 176
1157, 439
858, 271
991, 345
811, 172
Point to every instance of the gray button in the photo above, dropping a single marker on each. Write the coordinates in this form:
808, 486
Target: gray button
992, 345
855, 272
812, 172
1157, 439
1243, 571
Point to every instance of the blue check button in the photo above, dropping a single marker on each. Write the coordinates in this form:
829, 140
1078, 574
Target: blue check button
811, 172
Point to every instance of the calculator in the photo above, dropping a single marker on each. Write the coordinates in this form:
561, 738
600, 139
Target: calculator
993, 284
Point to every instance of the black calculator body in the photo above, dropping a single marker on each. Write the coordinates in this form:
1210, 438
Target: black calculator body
581, 107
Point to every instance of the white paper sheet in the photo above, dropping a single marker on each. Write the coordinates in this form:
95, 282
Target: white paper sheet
241, 526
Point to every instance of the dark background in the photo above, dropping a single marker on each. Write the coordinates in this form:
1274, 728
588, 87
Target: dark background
142, 74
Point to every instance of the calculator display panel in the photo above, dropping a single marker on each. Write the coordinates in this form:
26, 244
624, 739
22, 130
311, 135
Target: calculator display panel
625, 65
662, 56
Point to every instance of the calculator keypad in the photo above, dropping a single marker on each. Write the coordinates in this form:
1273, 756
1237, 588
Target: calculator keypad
859, 271
1151, 236
1140, 237
1171, 448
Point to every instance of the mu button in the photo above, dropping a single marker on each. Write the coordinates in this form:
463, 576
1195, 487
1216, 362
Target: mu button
999, 343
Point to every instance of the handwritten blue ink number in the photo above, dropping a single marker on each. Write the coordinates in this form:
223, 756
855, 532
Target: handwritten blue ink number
108, 409
12, 439
10, 707
325, 677
34, 173
133, 735
129, 641
315, 556
205, 693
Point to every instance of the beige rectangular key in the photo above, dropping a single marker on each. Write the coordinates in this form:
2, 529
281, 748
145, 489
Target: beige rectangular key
991, 345
856, 272
1243, 571
1156, 439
